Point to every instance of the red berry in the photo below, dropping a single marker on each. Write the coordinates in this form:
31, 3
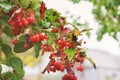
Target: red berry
73, 77
37, 39
32, 38
30, 19
14, 42
53, 69
69, 77
81, 68
41, 37
61, 27
84, 42
19, 23
57, 65
81, 59
62, 67
25, 22
26, 46
51, 55
54, 30
46, 37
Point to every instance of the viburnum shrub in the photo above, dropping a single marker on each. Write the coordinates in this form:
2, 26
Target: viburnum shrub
28, 24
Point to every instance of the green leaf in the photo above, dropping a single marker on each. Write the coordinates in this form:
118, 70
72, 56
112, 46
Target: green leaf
21, 38
70, 53
0, 40
37, 49
52, 18
75, 1
51, 38
7, 30
91, 61
7, 50
17, 65
36, 4
19, 47
88, 34
9, 76
83, 53
0, 68
51, 15
6, 6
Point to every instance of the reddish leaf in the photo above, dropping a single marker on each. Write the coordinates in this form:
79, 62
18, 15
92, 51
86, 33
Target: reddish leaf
42, 10
64, 31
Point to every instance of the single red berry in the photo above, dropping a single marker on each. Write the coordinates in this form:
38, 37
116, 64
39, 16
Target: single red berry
41, 36
54, 30
62, 67
46, 37
73, 77
19, 23
32, 39
26, 46
84, 42
30, 19
25, 22
37, 39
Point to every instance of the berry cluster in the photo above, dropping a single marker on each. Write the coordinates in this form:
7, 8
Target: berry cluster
47, 47
15, 41
69, 77
19, 20
38, 37
80, 57
56, 62
57, 66
80, 68
62, 43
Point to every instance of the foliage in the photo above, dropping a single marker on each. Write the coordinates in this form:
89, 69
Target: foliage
107, 14
29, 24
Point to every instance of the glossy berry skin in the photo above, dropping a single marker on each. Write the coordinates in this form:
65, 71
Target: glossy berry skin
46, 37
53, 69
32, 39
69, 77
54, 30
47, 47
62, 43
80, 68
20, 20
26, 46
38, 38
25, 22
62, 67
15, 42
30, 19
57, 65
